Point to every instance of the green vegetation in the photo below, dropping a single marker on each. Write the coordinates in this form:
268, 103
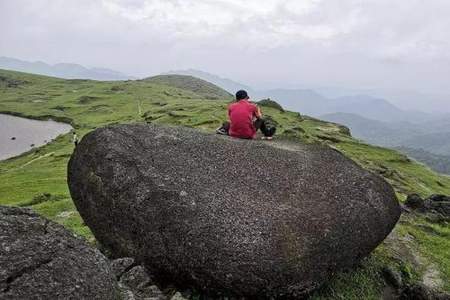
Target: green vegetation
361, 283
405, 175
201, 87
38, 178
270, 103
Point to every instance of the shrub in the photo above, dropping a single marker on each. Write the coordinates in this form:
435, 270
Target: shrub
270, 103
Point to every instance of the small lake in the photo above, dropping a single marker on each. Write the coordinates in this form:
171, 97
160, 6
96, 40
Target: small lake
18, 135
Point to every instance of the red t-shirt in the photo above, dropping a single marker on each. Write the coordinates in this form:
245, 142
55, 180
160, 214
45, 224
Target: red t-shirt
241, 116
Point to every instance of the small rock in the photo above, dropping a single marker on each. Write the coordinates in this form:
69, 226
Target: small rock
65, 214
416, 292
140, 285
442, 296
421, 292
392, 277
153, 292
414, 201
442, 207
178, 296
121, 265
13, 138
136, 278
439, 198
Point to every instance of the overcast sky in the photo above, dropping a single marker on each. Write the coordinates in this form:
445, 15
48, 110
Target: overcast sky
401, 44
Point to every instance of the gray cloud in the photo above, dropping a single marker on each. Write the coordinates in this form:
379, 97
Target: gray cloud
351, 43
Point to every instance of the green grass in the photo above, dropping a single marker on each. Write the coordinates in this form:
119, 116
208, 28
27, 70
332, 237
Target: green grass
200, 87
432, 239
406, 176
361, 283
64, 212
89, 104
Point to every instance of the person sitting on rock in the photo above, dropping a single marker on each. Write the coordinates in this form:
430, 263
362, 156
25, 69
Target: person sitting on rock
75, 138
245, 119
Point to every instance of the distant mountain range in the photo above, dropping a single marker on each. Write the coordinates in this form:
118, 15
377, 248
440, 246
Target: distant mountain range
427, 142
312, 103
439, 163
431, 136
62, 70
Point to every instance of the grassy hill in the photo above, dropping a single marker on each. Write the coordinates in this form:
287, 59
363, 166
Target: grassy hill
202, 88
417, 248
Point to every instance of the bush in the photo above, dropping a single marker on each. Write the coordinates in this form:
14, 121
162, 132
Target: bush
117, 88
270, 103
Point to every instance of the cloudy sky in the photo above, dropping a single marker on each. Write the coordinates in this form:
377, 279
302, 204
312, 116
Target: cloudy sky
400, 44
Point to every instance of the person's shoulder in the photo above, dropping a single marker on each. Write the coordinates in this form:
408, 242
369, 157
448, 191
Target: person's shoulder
232, 104
253, 105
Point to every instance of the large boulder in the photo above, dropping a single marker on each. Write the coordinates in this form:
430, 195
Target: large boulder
228, 215
40, 259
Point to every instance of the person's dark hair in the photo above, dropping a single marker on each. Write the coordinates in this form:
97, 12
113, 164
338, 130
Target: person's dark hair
241, 95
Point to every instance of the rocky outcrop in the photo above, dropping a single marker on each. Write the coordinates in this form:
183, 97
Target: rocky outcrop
414, 201
41, 260
422, 292
437, 204
134, 281
227, 215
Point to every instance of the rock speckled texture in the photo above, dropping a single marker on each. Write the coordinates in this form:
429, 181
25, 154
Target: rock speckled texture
226, 215
121, 265
41, 260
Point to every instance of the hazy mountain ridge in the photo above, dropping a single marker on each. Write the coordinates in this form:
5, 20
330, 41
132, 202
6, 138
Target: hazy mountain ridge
428, 142
439, 163
436, 102
61, 70
312, 102
373, 131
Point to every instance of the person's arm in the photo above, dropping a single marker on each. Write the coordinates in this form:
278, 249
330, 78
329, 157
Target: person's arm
258, 112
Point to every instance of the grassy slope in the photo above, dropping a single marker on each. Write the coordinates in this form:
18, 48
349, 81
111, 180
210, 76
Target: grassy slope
89, 104
201, 87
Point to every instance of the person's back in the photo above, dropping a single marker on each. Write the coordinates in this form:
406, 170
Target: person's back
245, 118
242, 115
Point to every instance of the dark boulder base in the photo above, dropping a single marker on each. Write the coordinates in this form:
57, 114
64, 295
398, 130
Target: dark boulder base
228, 216
41, 260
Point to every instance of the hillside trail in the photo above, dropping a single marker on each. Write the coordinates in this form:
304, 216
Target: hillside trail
404, 249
